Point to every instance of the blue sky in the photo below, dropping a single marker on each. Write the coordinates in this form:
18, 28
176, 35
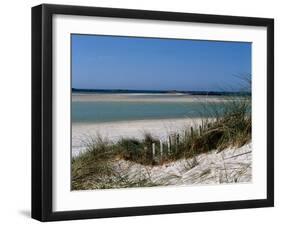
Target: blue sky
113, 62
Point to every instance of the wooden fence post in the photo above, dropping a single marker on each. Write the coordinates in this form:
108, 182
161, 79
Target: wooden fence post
161, 149
191, 131
153, 150
169, 145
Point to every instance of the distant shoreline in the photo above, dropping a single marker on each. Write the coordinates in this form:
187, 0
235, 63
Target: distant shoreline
183, 92
144, 97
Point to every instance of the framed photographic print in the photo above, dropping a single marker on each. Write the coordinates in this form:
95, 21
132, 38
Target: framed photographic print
145, 112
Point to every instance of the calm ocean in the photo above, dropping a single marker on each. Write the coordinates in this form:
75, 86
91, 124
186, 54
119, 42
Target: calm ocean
107, 111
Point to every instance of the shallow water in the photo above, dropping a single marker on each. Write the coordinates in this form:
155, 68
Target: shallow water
112, 111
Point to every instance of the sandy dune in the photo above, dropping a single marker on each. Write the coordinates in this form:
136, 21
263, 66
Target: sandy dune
232, 165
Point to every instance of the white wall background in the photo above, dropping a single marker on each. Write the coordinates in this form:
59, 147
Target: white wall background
15, 113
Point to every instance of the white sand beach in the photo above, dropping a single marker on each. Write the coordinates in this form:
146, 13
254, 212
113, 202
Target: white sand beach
173, 97
113, 131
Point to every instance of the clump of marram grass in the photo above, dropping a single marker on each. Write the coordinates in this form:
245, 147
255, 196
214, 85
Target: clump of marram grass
230, 126
92, 165
94, 168
141, 151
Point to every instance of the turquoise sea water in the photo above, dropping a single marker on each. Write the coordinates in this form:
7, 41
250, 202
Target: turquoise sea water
107, 111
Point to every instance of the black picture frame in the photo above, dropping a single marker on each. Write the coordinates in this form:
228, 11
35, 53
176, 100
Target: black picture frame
42, 111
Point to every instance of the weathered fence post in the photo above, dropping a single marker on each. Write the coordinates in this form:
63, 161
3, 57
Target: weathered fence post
176, 142
169, 145
161, 148
153, 150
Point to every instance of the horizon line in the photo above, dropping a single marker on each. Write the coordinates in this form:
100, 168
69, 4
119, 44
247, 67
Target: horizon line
157, 90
